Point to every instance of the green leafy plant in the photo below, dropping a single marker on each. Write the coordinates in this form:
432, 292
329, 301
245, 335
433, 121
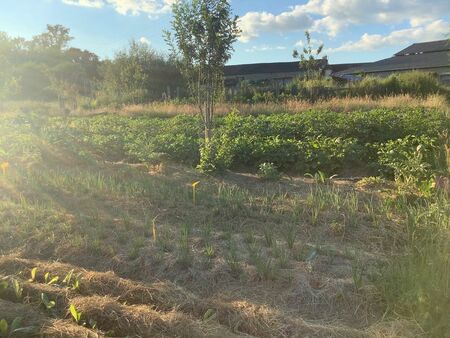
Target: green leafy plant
76, 315
269, 171
48, 304
33, 275
18, 289
3, 286
15, 328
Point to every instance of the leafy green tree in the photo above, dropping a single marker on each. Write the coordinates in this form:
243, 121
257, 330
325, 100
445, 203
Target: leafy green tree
137, 75
56, 37
311, 60
201, 43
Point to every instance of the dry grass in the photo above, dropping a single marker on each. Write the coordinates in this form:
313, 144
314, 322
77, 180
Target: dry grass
346, 104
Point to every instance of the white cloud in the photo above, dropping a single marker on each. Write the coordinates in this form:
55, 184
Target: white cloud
331, 16
125, 7
85, 3
432, 31
254, 23
314, 43
136, 7
144, 41
264, 48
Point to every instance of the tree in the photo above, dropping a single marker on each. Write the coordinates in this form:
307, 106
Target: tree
202, 42
56, 37
310, 59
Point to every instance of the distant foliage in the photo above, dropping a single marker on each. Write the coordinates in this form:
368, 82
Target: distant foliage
414, 83
138, 75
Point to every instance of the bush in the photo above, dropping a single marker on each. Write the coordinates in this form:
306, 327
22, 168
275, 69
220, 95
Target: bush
268, 171
415, 83
410, 159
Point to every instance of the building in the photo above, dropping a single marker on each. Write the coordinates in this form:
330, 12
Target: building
427, 56
430, 57
275, 74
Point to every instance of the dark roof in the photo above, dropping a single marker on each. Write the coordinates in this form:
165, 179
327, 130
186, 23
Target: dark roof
405, 62
426, 47
265, 68
258, 68
343, 66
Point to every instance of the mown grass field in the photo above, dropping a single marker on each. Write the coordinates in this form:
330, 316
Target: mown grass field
102, 233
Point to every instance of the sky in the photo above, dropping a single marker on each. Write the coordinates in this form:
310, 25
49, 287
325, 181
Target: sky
351, 30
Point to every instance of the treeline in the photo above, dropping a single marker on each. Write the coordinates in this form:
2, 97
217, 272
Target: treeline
45, 68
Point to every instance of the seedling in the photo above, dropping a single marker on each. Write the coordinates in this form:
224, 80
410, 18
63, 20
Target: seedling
68, 278
33, 275
48, 279
15, 328
3, 286
18, 290
49, 304
75, 314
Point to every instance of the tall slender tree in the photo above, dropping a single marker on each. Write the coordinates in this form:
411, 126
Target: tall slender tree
201, 42
311, 60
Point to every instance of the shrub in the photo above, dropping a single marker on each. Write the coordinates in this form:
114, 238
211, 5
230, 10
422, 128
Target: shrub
410, 159
269, 171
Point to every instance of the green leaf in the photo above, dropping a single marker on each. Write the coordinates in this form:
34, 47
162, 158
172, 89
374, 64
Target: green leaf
3, 285
75, 314
53, 280
33, 275
16, 323
3, 328
17, 288
46, 276
68, 277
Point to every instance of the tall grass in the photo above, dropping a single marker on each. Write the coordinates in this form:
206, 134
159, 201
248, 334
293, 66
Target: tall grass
416, 284
345, 104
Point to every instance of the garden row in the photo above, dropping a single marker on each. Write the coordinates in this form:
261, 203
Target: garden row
375, 142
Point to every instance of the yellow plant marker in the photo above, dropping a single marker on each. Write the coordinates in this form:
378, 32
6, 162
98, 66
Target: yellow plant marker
154, 229
194, 188
4, 166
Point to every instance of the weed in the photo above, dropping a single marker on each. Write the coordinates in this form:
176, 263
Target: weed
184, 251
232, 260
290, 235
282, 256
268, 235
266, 268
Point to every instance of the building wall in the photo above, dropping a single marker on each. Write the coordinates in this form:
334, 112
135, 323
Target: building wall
277, 77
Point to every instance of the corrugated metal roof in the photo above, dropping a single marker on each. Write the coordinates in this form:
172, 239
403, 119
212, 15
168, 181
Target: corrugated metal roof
426, 47
405, 62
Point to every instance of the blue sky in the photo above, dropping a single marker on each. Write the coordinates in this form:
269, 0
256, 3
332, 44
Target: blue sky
352, 30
